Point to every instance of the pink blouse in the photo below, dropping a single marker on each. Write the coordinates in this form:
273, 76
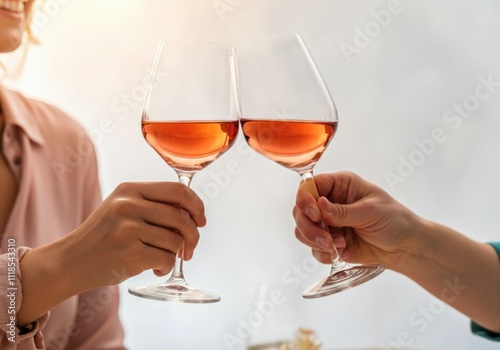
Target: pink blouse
54, 162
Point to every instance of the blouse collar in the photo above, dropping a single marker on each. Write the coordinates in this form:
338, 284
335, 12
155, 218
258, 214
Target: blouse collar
17, 110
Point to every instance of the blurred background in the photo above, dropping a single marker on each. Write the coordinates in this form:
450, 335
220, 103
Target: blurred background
400, 72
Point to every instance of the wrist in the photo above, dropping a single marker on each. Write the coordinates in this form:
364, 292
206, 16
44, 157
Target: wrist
415, 246
46, 280
425, 257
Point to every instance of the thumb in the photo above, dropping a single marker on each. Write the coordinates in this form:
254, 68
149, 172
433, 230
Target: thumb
339, 215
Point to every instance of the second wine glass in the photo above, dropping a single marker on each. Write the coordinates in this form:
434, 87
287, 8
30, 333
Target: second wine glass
288, 115
190, 119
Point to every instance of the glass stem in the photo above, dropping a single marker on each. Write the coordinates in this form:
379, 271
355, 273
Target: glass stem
308, 178
177, 275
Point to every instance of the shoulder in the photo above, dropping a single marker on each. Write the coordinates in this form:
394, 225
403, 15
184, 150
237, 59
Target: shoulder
51, 119
63, 139
59, 134
49, 124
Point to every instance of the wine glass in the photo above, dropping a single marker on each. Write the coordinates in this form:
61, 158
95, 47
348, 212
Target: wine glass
190, 119
288, 115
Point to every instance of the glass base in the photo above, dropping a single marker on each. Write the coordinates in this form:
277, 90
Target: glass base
176, 292
349, 276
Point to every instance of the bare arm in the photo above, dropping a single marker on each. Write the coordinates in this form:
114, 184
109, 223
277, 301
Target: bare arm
369, 225
458, 270
138, 227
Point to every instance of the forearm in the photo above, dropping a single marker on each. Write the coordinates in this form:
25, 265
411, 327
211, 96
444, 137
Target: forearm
461, 272
46, 281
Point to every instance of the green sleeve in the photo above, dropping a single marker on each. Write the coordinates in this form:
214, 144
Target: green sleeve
477, 329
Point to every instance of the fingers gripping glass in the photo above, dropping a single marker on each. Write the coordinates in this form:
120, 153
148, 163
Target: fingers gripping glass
190, 119
288, 115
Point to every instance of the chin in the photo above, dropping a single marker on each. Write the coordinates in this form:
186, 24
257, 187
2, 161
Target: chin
10, 41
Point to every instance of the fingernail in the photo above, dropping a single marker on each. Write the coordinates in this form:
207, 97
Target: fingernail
323, 243
339, 242
313, 213
345, 255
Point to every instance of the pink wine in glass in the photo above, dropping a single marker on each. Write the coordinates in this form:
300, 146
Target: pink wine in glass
295, 144
189, 146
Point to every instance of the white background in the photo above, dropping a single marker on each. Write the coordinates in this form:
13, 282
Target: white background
396, 89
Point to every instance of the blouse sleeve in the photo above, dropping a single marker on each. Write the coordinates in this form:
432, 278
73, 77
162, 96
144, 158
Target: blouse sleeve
477, 329
11, 337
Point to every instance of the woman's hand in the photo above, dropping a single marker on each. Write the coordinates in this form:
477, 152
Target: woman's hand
366, 224
140, 226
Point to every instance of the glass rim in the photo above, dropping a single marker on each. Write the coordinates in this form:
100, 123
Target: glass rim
195, 43
282, 40
270, 43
